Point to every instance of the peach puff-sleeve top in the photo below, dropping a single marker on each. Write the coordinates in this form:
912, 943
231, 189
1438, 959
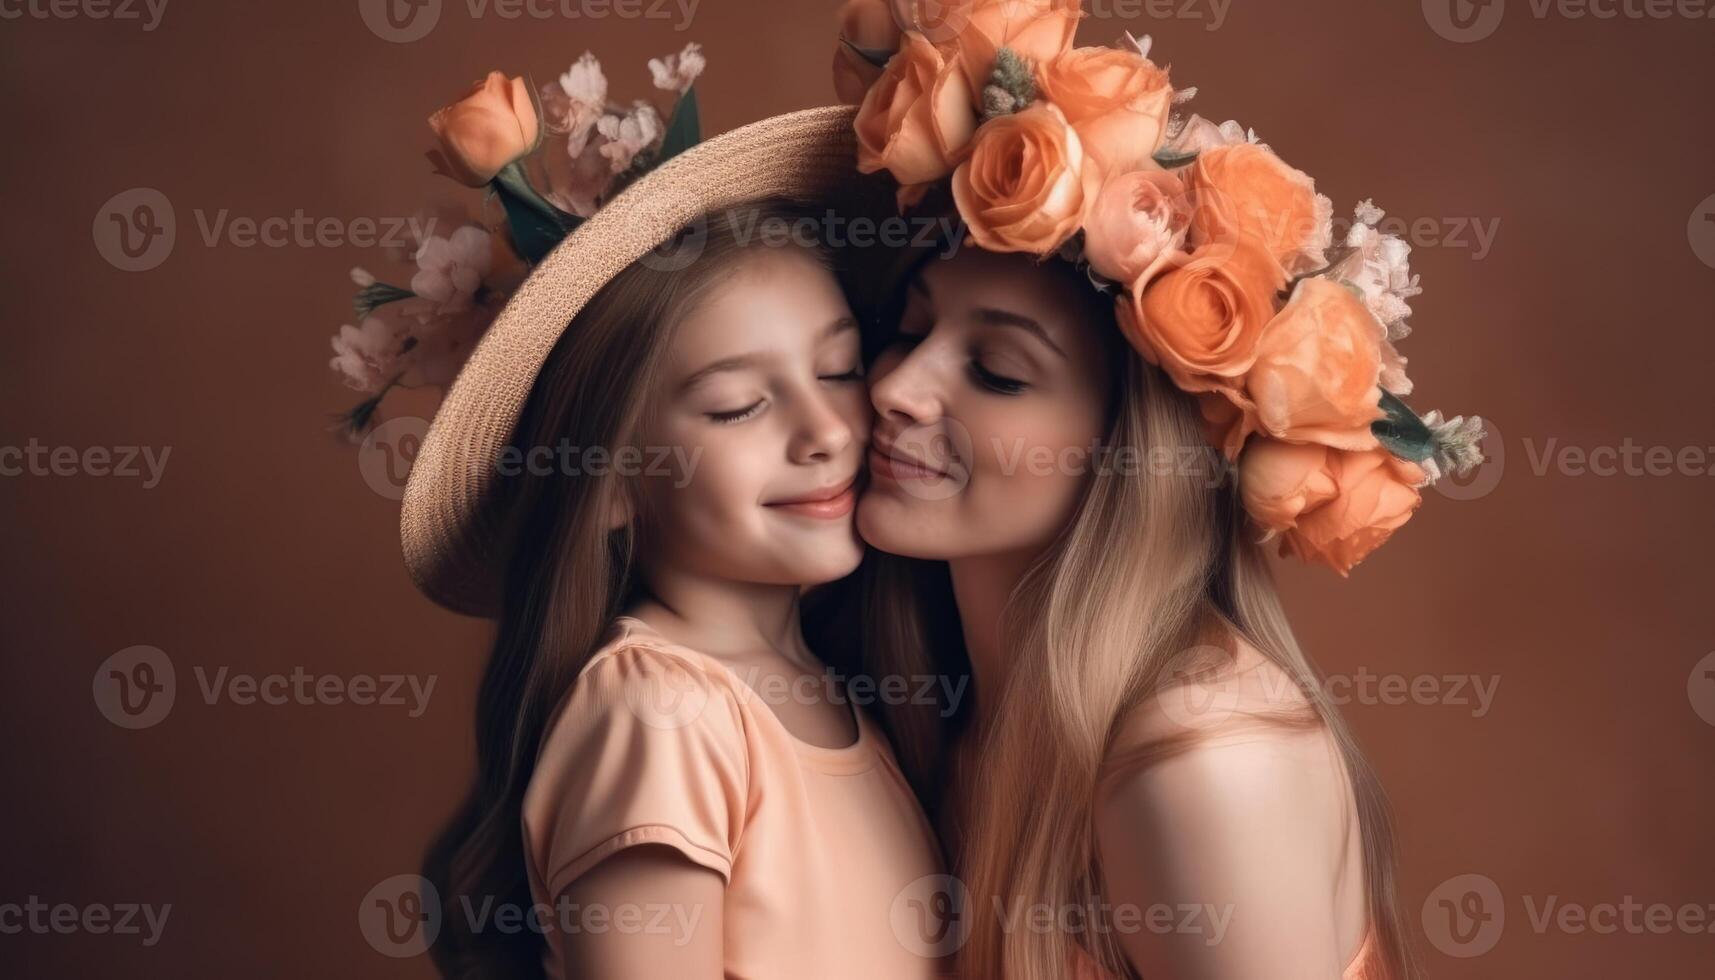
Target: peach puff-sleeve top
821, 849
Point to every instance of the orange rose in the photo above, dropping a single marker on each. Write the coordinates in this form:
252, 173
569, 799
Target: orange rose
1318, 368
867, 24
1201, 319
1244, 189
1038, 31
1117, 100
917, 117
1025, 186
1136, 224
1328, 505
493, 125
1229, 419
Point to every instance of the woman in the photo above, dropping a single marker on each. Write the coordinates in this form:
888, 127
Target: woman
1145, 362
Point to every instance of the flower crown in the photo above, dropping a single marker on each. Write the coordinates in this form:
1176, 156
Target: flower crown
1220, 254
505, 136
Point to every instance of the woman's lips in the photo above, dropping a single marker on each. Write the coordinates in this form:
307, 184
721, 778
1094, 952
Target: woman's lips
826, 504
889, 466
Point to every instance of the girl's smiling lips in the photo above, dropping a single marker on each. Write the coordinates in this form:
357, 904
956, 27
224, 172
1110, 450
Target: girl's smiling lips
826, 503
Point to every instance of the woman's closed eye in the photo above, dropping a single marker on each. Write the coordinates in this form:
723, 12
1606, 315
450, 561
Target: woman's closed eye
994, 381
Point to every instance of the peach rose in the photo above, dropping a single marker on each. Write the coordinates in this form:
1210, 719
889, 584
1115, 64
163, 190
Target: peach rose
1138, 221
493, 125
1117, 100
1200, 320
1318, 369
1229, 418
1328, 505
870, 25
1025, 186
1038, 31
917, 118
1244, 189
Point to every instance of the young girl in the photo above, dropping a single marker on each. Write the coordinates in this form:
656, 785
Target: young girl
666, 781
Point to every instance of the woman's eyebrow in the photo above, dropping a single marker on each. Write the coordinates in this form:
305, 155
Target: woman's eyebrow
1007, 318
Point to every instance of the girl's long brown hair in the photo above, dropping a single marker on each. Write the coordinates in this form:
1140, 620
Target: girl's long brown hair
568, 575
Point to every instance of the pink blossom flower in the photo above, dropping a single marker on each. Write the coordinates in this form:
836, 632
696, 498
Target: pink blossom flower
367, 355
450, 270
629, 134
678, 72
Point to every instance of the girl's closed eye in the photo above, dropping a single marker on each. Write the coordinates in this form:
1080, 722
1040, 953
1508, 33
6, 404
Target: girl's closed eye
737, 415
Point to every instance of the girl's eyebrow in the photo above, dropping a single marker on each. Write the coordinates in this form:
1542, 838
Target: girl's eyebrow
741, 362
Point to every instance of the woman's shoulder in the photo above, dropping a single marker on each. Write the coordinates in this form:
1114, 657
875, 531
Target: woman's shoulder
1211, 695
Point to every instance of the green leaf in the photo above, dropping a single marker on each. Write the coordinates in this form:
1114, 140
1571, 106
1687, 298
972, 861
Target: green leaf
536, 225
1402, 432
377, 294
1168, 160
875, 56
684, 130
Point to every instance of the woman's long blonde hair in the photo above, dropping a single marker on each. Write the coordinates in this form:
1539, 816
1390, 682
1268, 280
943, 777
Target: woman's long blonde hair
1150, 566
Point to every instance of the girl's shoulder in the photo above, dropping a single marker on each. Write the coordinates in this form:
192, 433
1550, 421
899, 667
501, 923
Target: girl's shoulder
639, 677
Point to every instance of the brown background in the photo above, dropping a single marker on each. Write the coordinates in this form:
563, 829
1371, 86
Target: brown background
263, 549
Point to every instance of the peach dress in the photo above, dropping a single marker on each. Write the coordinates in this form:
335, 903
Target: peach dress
657, 743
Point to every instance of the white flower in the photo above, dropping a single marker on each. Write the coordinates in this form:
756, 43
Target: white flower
678, 72
367, 355
450, 270
584, 82
574, 104
362, 277
1196, 135
629, 134
1380, 269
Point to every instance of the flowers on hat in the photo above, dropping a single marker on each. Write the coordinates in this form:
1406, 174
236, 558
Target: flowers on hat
1221, 254
549, 158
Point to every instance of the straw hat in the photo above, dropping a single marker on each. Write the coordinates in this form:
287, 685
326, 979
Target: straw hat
448, 526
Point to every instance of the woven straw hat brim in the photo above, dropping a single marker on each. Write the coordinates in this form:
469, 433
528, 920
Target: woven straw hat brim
448, 530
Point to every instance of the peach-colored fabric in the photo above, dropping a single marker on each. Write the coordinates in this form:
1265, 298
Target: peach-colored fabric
660, 744
1365, 964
